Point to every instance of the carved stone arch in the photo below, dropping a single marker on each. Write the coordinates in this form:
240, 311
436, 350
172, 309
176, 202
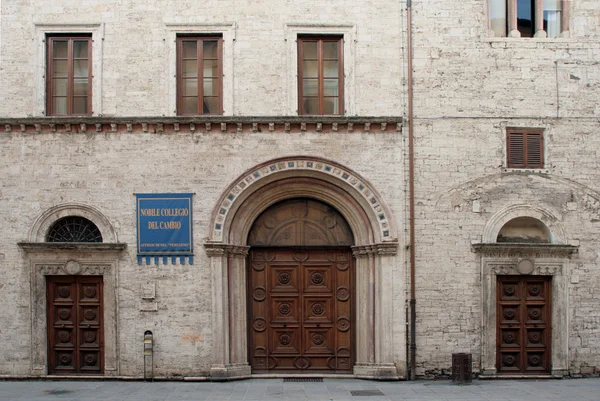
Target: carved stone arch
49, 217
549, 219
369, 216
373, 234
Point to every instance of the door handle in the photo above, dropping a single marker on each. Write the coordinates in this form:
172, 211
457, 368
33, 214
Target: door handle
285, 325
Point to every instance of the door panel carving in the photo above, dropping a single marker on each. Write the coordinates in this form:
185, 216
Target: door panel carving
303, 321
523, 334
75, 327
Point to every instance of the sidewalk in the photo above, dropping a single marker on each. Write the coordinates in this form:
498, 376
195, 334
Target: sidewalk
328, 390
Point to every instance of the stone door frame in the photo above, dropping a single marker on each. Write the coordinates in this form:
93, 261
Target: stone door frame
375, 252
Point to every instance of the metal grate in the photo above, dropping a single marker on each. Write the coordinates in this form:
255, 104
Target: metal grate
365, 393
303, 380
74, 229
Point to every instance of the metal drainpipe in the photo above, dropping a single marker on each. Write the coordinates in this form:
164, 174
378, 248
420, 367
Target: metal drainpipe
411, 195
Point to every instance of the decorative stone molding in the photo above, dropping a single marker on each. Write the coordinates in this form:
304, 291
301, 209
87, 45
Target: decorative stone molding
492, 228
347, 180
525, 259
382, 249
520, 251
48, 218
67, 263
166, 125
218, 250
103, 247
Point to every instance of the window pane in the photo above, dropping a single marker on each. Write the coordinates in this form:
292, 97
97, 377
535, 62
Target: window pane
330, 105
211, 68
309, 50
60, 69
210, 49
60, 49
80, 87
80, 68
190, 68
211, 105
311, 105
498, 17
330, 87
330, 50
80, 105
59, 105
190, 49
190, 105
59, 87
211, 87
310, 87
310, 69
330, 69
80, 49
190, 87
525, 18
552, 17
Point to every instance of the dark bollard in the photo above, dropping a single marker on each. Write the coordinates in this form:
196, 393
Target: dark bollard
461, 368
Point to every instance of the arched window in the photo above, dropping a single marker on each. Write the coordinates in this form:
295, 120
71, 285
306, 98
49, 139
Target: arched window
74, 229
524, 230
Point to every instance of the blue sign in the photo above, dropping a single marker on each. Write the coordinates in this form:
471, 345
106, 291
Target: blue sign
164, 227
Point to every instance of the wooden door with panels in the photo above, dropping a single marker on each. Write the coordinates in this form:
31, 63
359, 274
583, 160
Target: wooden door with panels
301, 290
523, 324
75, 324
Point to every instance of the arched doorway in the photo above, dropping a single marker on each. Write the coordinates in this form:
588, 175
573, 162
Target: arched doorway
373, 256
300, 292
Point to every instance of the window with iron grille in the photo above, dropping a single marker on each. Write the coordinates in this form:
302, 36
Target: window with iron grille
199, 75
320, 75
74, 229
69, 75
525, 148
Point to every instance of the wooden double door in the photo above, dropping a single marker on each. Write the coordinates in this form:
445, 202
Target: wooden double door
301, 310
75, 324
523, 324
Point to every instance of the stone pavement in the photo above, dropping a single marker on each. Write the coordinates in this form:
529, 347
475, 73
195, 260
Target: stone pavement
328, 390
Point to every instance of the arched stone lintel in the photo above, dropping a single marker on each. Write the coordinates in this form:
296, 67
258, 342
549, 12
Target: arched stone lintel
495, 224
312, 177
43, 223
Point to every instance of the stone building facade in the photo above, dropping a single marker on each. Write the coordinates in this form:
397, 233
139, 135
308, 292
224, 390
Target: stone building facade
289, 123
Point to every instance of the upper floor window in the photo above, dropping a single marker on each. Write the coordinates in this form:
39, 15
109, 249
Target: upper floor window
69, 75
529, 18
320, 75
525, 148
199, 75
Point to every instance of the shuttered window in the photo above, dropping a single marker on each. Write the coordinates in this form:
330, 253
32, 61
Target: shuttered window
525, 149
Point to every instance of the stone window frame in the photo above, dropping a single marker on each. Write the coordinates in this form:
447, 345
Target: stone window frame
505, 128
65, 258
511, 17
345, 30
44, 30
228, 32
200, 77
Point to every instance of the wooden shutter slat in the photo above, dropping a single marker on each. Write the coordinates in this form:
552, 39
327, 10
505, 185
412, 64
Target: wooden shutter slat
534, 150
516, 151
525, 150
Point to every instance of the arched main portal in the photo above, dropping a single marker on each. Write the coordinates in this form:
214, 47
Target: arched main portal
301, 289
374, 254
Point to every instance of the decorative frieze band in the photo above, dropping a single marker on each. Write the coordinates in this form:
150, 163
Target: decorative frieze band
523, 251
382, 249
217, 250
73, 268
287, 124
542, 269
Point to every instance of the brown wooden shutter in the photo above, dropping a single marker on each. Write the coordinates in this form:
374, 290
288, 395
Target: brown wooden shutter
516, 149
534, 150
525, 150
